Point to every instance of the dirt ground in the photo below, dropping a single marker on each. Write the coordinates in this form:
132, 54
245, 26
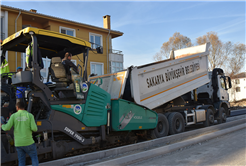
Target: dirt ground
238, 105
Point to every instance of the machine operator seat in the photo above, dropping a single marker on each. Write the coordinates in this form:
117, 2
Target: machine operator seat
58, 73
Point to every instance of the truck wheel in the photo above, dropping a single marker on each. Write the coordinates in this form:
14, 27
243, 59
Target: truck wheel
209, 118
162, 127
176, 123
222, 115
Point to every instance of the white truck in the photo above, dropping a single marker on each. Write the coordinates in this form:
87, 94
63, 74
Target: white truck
180, 89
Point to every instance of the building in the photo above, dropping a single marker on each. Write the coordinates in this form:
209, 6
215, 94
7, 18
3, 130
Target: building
238, 90
13, 20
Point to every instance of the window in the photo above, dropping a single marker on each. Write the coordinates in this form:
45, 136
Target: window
96, 40
67, 31
116, 66
237, 89
23, 60
222, 82
44, 71
97, 68
237, 81
2, 29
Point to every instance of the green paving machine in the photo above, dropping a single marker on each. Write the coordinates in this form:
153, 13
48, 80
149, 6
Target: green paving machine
77, 114
73, 115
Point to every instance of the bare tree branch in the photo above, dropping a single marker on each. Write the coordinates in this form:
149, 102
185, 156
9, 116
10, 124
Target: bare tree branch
236, 59
216, 57
177, 41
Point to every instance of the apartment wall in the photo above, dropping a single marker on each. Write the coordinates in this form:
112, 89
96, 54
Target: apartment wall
83, 33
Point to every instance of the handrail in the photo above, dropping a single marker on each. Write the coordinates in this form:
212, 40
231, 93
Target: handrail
115, 51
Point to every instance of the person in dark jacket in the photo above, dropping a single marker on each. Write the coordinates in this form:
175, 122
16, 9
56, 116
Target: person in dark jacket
69, 64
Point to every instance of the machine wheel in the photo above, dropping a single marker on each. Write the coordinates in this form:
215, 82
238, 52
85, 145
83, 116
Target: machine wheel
162, 127
209, 118
176, 123
222, 115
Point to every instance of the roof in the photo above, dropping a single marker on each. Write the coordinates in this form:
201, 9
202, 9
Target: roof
114, 33
240, 75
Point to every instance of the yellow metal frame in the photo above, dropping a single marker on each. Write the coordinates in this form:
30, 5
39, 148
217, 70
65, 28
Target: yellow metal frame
48, 33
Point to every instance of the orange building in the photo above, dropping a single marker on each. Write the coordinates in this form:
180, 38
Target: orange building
13, 20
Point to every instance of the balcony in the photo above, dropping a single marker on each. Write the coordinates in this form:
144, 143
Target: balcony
116, 55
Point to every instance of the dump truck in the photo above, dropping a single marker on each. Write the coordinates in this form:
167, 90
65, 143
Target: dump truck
180, 89
78, 115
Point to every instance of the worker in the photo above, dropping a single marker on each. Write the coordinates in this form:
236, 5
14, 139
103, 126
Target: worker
66, 61
19, 69
24, 124
29, 58
4, 66
4, 70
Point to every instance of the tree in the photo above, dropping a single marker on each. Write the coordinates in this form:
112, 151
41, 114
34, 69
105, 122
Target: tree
177, 41
235, 62
217, 56
229, 56
236, 59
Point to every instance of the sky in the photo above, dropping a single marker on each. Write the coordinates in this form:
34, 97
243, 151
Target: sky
148, 24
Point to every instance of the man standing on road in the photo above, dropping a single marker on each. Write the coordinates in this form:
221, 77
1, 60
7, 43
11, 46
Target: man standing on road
24, 124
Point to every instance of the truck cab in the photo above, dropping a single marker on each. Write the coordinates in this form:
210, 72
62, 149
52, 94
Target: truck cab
215, 92
223, 83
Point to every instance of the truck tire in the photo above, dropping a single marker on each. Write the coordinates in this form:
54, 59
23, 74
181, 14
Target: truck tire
176, 123
162, 127
209, 118
222, 115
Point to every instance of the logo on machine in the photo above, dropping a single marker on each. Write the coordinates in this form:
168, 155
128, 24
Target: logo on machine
85, 87
77, 109
97, 82
138, 117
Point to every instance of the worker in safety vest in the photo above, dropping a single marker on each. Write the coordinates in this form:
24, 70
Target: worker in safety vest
4, 70
29, 57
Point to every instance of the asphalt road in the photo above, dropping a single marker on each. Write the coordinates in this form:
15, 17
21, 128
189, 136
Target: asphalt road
238, 112
228, 149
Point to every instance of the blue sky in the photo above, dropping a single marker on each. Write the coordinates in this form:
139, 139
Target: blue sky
147, 25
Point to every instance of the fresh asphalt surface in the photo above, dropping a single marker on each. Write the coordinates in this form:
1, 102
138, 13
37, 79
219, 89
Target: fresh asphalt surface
238, 112
229, 149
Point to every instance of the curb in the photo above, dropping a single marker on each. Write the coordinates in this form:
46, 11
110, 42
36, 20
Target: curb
167, 149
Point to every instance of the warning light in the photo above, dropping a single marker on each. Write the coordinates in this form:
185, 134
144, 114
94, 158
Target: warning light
39, 123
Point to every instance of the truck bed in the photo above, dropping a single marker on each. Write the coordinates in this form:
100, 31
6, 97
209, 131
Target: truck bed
154, 84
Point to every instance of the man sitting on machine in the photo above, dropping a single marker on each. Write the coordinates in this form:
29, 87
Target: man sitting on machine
69, 64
